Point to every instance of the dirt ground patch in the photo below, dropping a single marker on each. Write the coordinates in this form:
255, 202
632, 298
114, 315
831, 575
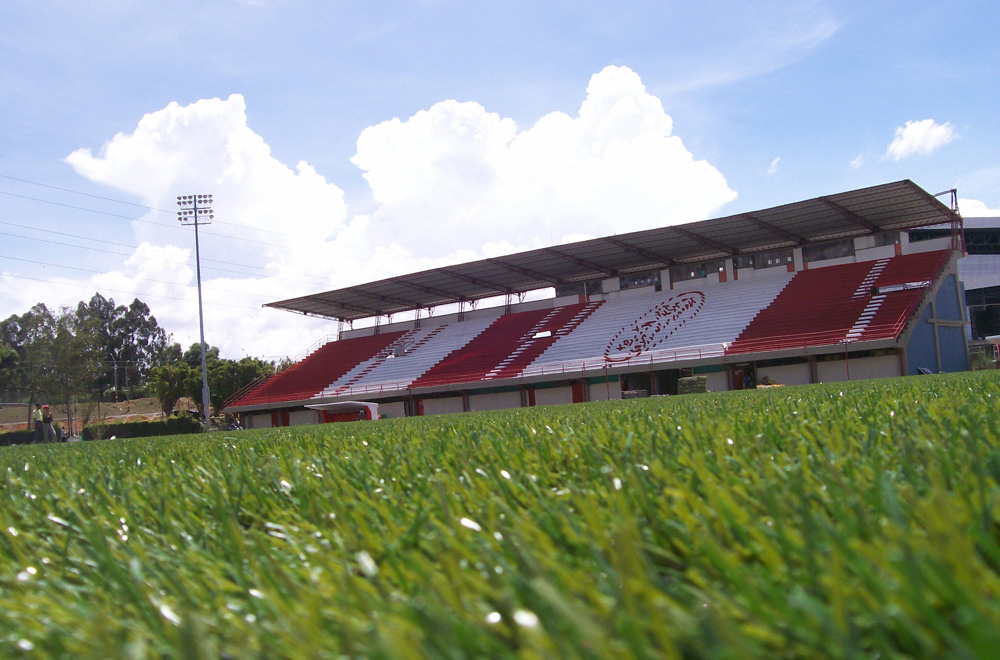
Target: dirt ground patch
14, 417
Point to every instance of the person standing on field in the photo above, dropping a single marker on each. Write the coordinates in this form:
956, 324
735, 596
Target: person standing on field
50, 433
36, 417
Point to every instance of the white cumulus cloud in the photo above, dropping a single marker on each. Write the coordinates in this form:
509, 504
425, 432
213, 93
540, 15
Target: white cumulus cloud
458, 173
920, 137
453, 182
973, 208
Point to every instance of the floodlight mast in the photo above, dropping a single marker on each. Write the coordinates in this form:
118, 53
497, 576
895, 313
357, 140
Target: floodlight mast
195, 210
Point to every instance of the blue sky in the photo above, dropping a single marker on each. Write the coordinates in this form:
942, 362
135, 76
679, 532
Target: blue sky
349, 141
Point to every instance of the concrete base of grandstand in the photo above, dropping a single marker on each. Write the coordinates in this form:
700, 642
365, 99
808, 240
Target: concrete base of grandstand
885, 311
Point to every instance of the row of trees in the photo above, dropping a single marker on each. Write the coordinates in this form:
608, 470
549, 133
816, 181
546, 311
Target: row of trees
176, 378
106, 351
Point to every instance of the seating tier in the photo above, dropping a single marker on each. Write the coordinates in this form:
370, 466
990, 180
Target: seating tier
310, 375
830, 305
661, 326
419, 351
774, 311
473, 361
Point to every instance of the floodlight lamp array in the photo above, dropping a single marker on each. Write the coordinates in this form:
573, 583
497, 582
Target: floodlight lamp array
195, 209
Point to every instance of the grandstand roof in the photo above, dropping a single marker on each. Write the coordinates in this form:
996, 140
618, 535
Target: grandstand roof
886, 207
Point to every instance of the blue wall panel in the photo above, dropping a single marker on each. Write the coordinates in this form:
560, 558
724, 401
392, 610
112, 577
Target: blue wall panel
951, 340
920, 351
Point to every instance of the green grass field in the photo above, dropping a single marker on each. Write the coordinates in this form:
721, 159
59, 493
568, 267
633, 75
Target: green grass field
853, 520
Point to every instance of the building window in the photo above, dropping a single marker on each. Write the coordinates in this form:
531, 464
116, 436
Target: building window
591, 288
638, 280
830, 250
887, 238
696, 271
772, 259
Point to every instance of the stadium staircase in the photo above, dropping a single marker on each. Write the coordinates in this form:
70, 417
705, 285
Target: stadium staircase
473, 361
420, 351
863, 301
558, 323
306, 378
725, 312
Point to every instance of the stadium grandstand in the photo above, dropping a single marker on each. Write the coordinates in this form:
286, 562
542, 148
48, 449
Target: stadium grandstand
832, 288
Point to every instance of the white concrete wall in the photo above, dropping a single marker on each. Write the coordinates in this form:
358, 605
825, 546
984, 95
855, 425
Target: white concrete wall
259, 421
567, 300
298, 417
452, 404
495, 401
717, 381
393, 410
697, 283
751, 273
491, 308
786, 374
637, 292
599, 391
927, 246
797, 260
861, 369
831, 262
728, 266
871, 254
553, 396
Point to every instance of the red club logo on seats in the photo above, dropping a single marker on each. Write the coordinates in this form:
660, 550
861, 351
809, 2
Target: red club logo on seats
654, 327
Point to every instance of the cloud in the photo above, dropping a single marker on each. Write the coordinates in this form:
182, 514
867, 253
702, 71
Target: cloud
453, 182
920, 137
858, 162
471, 176
973, 208
207, 147
774, 166
740, 45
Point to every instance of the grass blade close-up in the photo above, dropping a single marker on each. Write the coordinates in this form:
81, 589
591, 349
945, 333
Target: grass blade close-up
842, 520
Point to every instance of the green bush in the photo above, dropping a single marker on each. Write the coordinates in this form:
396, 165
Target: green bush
171, 426
16, 438
24, 437
692, 385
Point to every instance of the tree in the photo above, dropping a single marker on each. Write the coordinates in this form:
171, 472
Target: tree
30, 336
172, 381
8, 362
171, 353
131, 341
227, 377
193, 355
75, 356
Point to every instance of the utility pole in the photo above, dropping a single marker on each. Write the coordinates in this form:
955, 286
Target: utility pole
195, 210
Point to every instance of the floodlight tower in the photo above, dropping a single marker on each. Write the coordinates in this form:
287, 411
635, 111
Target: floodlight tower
195, 210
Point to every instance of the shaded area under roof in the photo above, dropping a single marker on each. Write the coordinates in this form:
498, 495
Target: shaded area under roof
886, 207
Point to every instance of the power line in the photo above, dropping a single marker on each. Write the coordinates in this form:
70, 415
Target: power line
47, 241
70, 206
151, 208
101, 272
79, 192
120, 201
177, 228
151, 296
